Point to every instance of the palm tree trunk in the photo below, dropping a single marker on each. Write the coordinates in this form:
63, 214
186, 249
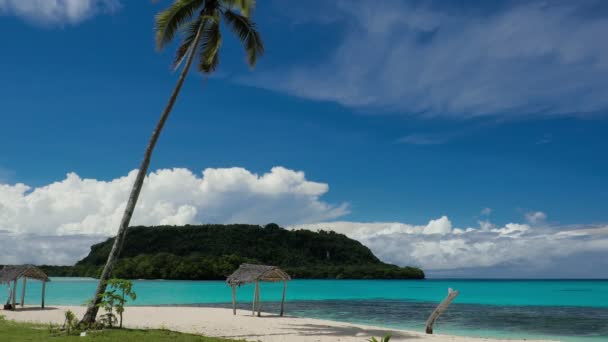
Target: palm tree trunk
91, 313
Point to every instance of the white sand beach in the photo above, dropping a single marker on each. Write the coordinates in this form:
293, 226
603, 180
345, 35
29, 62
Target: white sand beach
218, 322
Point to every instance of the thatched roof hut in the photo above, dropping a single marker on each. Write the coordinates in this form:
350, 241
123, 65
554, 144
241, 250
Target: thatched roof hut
249, 273
12, 273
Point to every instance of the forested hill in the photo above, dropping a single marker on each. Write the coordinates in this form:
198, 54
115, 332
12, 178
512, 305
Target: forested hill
214, 251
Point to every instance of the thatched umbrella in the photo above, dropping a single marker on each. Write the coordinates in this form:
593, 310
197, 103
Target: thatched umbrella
11, 273
249, 273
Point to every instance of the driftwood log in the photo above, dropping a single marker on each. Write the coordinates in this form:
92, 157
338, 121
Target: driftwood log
440, 309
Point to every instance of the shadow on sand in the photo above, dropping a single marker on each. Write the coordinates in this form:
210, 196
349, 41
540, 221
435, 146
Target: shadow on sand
31, 308
325, 330
310, 330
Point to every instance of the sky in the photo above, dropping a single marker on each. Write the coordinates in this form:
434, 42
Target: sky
467, 138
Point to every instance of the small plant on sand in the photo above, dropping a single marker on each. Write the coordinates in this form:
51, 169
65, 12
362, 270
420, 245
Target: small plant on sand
2, 318
113, 301
383, 339
70, 325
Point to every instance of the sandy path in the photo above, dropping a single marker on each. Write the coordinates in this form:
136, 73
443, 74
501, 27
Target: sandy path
219, 322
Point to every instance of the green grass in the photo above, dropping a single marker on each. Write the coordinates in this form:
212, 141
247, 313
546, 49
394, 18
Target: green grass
14, 331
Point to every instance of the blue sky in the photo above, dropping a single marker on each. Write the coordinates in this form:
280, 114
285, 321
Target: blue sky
407, 111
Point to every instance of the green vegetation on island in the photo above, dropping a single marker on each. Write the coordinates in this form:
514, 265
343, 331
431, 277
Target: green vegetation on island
211, 252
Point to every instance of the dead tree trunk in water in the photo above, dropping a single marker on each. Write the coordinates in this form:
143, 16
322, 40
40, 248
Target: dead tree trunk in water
440, 309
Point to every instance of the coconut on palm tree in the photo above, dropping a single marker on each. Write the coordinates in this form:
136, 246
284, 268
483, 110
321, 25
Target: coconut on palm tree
198, 22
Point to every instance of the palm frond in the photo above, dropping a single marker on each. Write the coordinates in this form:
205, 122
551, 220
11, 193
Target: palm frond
244, 6
190, 30
247, 33
170, 20
210, 44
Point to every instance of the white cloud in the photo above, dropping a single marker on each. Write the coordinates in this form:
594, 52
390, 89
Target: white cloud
512, 230
487, 246
45, 249
536, 217
176, 196
440, 226
433, 59
362, 231
56, 12
58, 222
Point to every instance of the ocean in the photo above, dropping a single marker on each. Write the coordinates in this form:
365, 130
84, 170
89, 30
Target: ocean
566, 310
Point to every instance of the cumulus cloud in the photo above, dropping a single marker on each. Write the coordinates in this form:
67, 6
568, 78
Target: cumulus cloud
434, 59
57, 223
56, 12
170, 196
439, 247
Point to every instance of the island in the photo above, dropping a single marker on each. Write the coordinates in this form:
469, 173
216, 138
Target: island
213, 251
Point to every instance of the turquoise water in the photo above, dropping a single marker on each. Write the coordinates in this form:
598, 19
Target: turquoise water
570, 310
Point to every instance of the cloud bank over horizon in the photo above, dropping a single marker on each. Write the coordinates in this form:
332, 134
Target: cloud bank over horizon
56, 12
432, 59
531, 249
58, 222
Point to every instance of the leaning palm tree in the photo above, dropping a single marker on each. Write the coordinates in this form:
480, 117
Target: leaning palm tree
198, 21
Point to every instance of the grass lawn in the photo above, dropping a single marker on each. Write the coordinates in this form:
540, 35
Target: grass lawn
13, 331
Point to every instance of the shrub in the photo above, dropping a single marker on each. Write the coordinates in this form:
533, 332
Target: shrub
114, 300
70, 325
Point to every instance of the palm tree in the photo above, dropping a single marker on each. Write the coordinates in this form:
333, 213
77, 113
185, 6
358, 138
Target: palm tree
198, 21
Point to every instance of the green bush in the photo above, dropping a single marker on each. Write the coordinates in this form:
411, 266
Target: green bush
113, 301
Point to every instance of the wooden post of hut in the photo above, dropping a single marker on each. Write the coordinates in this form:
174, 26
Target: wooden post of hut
14, 303
43, 290
233, 299
23, 292
11, 274
255, 299
249, 273
259, 299
283, 298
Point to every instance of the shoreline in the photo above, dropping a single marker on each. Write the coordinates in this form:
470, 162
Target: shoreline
220, 322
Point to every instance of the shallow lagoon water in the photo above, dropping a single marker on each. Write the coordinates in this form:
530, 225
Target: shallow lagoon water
569, 310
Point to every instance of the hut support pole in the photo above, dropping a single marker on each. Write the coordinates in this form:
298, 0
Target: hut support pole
23, 292
283, 300
259, 299
14, 294
255, 298
440, 309
233, 300
43, 288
